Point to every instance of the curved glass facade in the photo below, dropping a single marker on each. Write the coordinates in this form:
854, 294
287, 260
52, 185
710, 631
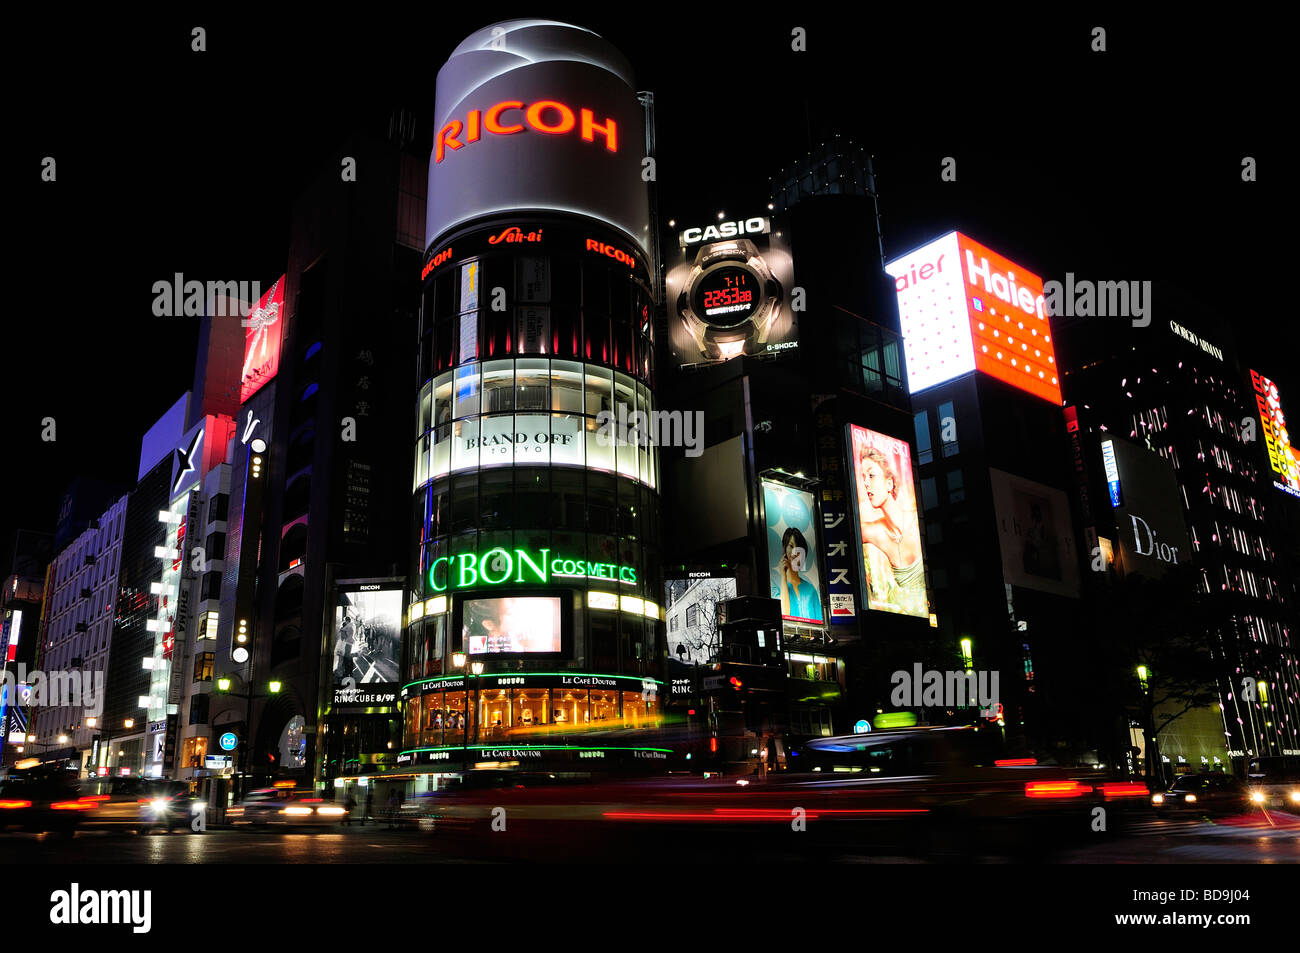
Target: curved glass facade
536, 516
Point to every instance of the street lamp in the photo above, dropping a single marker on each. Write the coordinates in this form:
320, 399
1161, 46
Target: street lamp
458, 659
223, 686
91, 721
129, 723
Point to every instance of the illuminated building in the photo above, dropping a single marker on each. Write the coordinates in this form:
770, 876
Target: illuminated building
766, 509
78, 624
1177, 390
24, 597
318, 467
533, 627
991, 442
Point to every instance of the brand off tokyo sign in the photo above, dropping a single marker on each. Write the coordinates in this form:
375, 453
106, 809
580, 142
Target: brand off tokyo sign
963, 307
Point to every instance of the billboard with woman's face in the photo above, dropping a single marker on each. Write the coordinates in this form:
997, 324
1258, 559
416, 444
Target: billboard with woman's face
792, 553
889, 530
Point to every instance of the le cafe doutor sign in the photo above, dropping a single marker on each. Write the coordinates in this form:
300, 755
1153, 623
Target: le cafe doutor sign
499, 566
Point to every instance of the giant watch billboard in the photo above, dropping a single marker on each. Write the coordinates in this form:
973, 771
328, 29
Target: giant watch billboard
541, 116
730, 291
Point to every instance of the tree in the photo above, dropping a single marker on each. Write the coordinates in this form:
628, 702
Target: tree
1172, 630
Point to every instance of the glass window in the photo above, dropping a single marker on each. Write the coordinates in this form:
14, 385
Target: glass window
442, 400
423, 422
569, 707
923, 451
203, 666
566, 386
532, 380
467, 391
494, 712
624, 393
956, 488
948, 428
600, 390
531, 708
422, 448
929, 493
411, 733
600, 446
207, 626
457, 722
441, 462
498, 387
639, 712
604, 709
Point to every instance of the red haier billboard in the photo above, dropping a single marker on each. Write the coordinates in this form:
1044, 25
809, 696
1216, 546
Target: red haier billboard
963, 307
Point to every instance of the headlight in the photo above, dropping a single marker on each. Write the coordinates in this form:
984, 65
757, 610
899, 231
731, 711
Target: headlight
332, 811
1190, 799
296, 811
159, 804
1295, 797
1157, 799
1257, 797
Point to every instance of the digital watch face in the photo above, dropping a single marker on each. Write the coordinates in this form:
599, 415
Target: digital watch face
728, 296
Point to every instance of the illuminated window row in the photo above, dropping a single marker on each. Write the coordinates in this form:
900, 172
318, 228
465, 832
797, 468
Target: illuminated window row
533, 412
605, 601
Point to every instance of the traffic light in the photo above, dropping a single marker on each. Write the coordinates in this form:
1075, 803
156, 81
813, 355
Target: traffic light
736, 683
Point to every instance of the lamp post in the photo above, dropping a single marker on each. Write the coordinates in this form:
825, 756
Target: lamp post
223, 687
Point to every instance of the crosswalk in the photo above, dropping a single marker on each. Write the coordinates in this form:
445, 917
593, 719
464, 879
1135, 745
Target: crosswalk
1272, 824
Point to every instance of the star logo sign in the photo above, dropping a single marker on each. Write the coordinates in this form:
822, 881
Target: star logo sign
185, 460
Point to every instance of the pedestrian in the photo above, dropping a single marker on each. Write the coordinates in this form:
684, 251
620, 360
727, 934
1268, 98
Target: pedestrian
351, 807
370, 806
392, 808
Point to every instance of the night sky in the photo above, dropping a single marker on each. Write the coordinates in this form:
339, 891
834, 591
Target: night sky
1118, 165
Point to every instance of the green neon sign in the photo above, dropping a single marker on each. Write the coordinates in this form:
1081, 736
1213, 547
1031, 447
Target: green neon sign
500, 566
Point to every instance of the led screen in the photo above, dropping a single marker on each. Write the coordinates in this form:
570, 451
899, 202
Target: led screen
691, 610
367, 643
514, 624
1283, 459
889, 530
792, 553
963, 307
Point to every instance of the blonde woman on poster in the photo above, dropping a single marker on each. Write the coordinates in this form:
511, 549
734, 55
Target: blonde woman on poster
891, 530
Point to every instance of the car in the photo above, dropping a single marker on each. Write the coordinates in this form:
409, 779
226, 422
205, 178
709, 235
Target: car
138, 804
1275, 782
1204, 794
42, 800
285, 808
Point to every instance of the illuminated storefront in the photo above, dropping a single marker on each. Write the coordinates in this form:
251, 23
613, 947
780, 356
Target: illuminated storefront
533, 621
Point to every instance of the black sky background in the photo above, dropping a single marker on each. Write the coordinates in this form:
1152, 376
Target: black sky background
1118, 165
